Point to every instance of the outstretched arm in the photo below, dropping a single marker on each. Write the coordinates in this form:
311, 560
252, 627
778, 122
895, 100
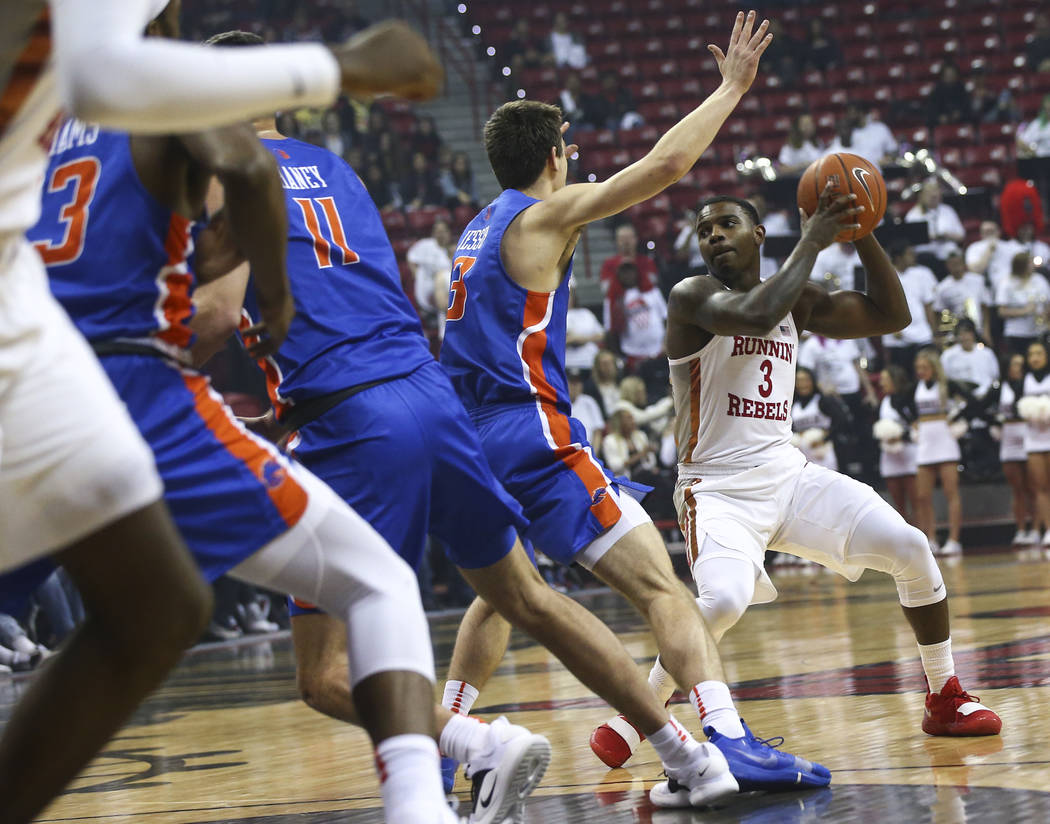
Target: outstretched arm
674, 154
883, 310
705, 303
108, 73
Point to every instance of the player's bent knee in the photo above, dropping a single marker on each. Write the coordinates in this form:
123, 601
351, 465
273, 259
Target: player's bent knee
722, 604
886, 542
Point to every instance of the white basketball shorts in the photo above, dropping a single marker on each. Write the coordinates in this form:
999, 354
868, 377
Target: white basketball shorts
71, 460
787, 505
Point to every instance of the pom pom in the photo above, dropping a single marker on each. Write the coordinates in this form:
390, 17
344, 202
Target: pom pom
886, 429
813, 437
1034, 409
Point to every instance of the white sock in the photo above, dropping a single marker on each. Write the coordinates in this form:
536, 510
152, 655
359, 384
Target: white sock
462, 737
661, 682
459, 697
673, 744
714, 705
938, 663
409, 778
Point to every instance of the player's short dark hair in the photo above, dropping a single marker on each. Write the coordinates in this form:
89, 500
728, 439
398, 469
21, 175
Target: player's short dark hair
234, 38
746, 205
518, 139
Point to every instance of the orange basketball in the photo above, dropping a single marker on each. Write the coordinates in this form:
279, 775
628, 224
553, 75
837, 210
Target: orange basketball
847, 173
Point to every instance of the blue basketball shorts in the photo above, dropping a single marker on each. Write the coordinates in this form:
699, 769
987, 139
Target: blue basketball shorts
576, 509
406, 457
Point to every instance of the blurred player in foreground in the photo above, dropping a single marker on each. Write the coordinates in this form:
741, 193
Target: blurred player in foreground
77, 483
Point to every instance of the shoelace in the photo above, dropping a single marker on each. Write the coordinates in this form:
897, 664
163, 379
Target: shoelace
775, 742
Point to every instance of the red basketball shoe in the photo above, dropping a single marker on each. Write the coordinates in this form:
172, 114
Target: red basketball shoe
953, 711
615, 741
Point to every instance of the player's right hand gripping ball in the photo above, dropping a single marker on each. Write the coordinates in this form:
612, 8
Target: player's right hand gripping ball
847, 173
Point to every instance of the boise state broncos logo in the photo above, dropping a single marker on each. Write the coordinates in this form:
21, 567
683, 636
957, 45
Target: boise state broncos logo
599, 495
272, 474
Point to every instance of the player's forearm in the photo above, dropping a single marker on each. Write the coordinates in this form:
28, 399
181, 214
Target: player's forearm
885, 293
217, 313
768, 303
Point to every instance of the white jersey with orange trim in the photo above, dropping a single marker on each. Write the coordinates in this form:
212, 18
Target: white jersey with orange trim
733, 398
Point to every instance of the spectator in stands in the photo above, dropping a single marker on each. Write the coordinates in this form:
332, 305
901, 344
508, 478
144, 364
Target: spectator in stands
1033, 139
990, 255
775, 220
919, 287
964, 294
938, 450
652, 417
379, 186
625, 448
782, 58
1023, 300
945, 228
390, 156
585, 409
458, 183
638, 320
604, 384
822, 51
817, 421
836, 266
1038, 50
571, 99
425, 138
949, 102
867, 136
420, 186
988, 105
897, 463
525, 50
335, 139
626, 249
378, 124
969, 362
584, 335
613, 107
1012, 454
1037, 434
566, 46
430, 259
802, 146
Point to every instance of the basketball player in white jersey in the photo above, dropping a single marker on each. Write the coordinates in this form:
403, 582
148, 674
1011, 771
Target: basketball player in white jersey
732, 342
77, 483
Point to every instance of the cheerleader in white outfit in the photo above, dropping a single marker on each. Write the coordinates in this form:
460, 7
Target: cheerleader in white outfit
1034, 407
898, 462
1012, 454
815, 420
938, 453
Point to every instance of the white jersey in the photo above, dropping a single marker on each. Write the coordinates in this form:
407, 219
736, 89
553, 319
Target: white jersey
28, 111
732, 399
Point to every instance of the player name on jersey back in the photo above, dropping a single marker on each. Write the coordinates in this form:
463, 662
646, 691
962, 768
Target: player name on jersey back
301, 177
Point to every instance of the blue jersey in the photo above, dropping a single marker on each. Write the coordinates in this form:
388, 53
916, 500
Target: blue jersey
353, 323
503, 344
117, 259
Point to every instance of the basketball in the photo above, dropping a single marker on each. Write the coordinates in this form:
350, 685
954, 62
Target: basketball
847, 173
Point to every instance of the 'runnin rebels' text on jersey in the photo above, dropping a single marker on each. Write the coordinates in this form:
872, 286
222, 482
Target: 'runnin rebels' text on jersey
732, 399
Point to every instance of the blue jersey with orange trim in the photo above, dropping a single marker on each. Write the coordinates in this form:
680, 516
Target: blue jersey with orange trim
118, 260
503, 343
353, 323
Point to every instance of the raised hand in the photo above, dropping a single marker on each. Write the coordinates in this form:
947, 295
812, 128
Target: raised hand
739, 63
389, 58
835, 212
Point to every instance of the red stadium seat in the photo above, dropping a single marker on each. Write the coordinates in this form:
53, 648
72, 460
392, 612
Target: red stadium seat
961, 134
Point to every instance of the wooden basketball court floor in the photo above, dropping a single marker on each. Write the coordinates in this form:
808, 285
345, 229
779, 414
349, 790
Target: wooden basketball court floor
830, 665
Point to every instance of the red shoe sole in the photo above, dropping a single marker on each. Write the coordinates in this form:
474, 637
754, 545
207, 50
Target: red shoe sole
980, 723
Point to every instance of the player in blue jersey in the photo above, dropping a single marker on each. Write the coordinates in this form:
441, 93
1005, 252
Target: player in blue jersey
378, 419
504, 349
243, 507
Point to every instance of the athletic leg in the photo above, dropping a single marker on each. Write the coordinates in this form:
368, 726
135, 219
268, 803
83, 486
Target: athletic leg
949, 473
1019, 503
481, 643
925, 479
1039, 481
146, 604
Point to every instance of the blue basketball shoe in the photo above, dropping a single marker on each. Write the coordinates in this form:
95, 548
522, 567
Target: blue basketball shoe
449, 766
757, 764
